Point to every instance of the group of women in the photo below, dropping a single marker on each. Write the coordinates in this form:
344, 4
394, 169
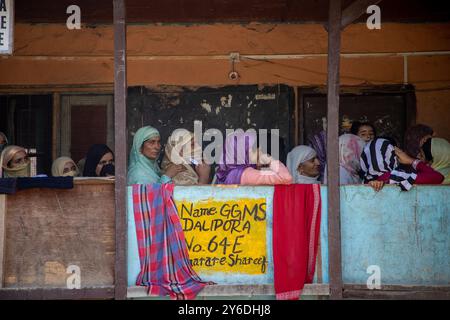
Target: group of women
363, 158
15, 162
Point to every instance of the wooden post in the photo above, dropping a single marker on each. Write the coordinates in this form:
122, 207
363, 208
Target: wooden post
2, 237
120, 98
56, 114
334, 223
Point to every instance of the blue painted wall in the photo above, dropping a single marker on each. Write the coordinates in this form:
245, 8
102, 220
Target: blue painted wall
406, 234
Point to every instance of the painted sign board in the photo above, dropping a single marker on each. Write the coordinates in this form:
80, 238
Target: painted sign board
225, 235
6, 26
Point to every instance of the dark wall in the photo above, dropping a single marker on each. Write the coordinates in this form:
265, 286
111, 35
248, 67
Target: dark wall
390, 109
217, 11
27, 121
229, 107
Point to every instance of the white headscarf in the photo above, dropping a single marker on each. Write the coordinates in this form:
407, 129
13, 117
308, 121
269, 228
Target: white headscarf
297, 156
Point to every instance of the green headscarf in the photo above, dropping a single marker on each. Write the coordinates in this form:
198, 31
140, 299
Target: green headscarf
143, 170
440, 149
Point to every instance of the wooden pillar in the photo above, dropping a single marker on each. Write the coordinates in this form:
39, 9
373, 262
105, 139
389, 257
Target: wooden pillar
334, 223
120, 98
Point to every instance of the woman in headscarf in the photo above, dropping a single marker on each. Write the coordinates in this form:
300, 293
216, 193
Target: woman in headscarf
183, 150
319, 143
440, 150
143, 167
380, 162
304, 165
15, 162
415, 137
99, 162
64, 167
350, 149
3, 141
243, 163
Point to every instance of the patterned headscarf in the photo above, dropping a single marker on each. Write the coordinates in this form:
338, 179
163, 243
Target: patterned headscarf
350, 149
235, 157
378, 158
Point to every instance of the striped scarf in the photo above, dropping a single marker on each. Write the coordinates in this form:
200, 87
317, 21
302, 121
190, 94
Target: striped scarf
378, 158
165, 265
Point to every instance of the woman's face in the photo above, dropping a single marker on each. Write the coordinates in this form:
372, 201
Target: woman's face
366, 133
70, 169
151, 148
310, 168
19, 159
108, 158
192, 149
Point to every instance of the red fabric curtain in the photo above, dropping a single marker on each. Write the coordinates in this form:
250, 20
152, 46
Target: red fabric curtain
296, 230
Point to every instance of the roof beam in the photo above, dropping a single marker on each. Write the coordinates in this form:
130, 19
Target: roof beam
355, 10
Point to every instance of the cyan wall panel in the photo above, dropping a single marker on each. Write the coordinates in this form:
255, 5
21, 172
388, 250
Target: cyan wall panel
406, 234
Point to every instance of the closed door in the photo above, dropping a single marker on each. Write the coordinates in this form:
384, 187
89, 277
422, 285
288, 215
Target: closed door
85, 120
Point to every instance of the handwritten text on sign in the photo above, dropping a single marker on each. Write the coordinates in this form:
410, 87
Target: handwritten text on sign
225, 236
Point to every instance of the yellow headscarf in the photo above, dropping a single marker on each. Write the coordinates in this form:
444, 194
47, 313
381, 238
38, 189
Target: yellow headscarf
440, 149
177, 141
58, 167
21, 171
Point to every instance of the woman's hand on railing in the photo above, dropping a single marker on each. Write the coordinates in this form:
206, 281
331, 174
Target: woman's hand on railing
376, 185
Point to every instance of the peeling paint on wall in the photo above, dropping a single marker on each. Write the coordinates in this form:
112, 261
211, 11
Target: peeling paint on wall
226, 102
205, 105
268, 96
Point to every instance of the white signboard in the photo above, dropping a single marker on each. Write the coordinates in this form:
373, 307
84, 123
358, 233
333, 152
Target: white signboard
6, 26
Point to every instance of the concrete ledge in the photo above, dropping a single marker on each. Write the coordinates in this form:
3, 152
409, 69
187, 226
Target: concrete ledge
239, 290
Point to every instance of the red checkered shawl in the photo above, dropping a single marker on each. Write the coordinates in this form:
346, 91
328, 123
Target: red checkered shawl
165, 265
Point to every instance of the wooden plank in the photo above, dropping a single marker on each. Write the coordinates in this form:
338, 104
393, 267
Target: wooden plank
355, 10
399, 287
120, 145
334, 234
239, 290
92, 181
397, 292
48, 230
49, 89
2, 236
54, 294
56, 125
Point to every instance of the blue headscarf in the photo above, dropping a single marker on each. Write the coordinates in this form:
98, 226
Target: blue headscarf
141, 169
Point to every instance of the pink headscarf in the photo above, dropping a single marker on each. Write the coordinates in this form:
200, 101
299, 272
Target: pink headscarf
350, 149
